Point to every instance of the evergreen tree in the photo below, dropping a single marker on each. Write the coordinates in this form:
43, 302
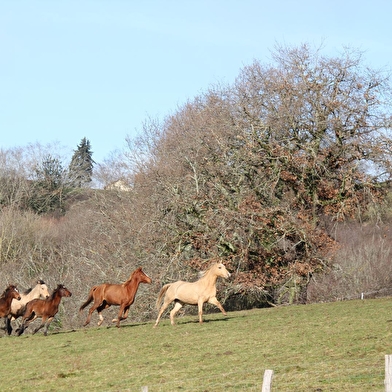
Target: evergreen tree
47, 191
81, 166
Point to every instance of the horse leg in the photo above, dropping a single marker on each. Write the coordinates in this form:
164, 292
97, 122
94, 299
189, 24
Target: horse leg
122, 314
8, 325
21, 329
100, 308
177, 307
27, 319
215, 302
95, 306
88, 319
126, 312
47, 325
163, 308
200, 308
39, 327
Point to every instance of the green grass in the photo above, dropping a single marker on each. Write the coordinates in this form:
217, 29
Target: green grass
322, 347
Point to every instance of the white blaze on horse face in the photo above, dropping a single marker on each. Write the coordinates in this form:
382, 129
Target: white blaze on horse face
147, 276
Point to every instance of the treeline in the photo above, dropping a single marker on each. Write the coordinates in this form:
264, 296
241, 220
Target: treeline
39, 182
265, 174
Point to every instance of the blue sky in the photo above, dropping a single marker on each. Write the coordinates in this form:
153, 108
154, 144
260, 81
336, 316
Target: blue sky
98, 69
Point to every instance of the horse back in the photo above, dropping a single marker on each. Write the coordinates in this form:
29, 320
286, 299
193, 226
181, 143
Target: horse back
114, 294
42, 306
191, 292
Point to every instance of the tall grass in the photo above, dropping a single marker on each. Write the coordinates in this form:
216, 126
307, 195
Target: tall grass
320, 347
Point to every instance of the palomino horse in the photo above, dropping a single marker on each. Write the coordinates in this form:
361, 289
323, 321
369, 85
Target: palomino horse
108, 294
10, 293
40, 290
195, 293
46, 309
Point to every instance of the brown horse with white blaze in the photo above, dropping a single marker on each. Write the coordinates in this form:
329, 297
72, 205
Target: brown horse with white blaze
46, 309
123, 295
10, 293
192, 293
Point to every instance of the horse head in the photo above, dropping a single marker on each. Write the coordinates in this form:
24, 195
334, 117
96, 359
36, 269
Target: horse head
144, 278
13, 292
43, 289
138, 276
63, 291
222, 271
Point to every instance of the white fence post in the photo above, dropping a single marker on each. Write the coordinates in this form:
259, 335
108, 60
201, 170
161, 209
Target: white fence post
267, 381
388, 373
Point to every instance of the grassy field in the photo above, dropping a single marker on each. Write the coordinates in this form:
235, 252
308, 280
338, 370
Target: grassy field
322, 347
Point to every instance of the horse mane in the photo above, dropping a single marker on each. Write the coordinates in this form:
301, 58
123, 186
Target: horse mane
202, 274
10, 287
59, 286
28, 291
133, 273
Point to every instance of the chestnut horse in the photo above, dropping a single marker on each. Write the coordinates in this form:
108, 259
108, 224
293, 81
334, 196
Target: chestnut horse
10, 293
46, 309
40, 290
122, 295
195, 293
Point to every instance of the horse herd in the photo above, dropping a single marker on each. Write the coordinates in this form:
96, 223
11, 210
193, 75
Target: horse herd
38, 303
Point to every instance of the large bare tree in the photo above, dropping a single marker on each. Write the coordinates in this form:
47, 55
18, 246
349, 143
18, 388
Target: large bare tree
246, 172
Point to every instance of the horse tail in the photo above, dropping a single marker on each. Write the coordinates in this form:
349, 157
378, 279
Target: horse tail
89, 299
161, 295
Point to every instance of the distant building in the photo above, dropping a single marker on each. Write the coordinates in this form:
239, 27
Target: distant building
118, 185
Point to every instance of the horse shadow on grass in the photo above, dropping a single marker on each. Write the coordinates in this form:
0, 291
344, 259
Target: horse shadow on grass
189, 320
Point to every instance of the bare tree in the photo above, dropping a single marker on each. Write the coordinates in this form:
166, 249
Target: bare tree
245, 172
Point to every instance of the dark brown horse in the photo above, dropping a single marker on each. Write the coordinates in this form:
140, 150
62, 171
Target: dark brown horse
6, 298
43, 308
121, 295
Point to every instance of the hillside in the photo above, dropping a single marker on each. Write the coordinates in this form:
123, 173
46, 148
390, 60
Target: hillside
321, 347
